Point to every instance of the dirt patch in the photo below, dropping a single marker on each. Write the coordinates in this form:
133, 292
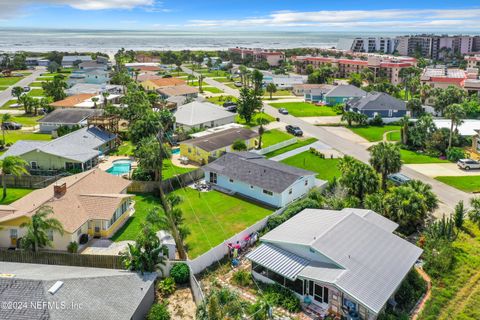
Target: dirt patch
181, 304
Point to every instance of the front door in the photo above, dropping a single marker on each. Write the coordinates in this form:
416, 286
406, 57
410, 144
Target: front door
13, 237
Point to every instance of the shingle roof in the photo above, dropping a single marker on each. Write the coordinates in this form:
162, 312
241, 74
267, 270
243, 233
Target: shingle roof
377, 101
221, 139
94, 194
68, 116
165, 82
368, 261
345, 90
256, 170
177, 90
195, 113
76, 58
104, 294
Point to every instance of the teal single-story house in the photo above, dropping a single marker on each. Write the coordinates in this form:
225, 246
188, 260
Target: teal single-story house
342, 93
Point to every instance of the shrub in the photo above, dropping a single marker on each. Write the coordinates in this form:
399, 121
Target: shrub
83, 238
376, 121
166, 286
158, 311
180, 273
139, 174
282, 297
72, 247
239, 145
439, 257
242, 278
454, 154
317, 153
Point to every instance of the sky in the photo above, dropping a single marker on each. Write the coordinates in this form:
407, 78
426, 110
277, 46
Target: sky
227, 15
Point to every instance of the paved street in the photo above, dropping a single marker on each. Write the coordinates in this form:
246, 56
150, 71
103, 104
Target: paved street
449, 196
6, 95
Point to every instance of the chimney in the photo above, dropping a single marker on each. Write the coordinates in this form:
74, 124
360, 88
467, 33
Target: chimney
60, 190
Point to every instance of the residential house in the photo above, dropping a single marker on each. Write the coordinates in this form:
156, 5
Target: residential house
347, 262
69, 61
84, 293
76, 151
476, 142
94, 203
342, 93
155, 84
378, 103
200, 115
84, 100
180, 90
252, 175
299, 89
66, 118
215, 144
284, 82
92, 65
36, 61
317, 94
468, 127
273, 58
80, 88
91, 76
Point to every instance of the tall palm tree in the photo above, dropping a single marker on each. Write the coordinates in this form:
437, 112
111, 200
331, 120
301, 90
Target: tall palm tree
261, 121
425, 91
38, 227
17, 92
385, 159
456, 113
105, 95
12, 165
474, 213
404, 129
95, 100
5, 118
271, 89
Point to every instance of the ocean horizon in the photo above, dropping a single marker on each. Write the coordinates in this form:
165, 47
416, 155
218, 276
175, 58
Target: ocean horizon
109, 41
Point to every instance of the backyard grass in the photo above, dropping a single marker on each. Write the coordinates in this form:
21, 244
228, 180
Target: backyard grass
304, 109
170, 170
394, 136
300, 143
221, 99
36, 84
13, 194
326, 169
8, 81
274, 136
212, 89
211, 217
26, 119
464, 183
8, 104
373, 133
253, 123
12, 136
412, 157
456, 294
36, 93
124, 149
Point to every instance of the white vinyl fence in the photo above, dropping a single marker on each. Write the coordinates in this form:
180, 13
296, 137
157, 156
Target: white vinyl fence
277, 146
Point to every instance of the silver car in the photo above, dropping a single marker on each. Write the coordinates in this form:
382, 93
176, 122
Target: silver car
468, 164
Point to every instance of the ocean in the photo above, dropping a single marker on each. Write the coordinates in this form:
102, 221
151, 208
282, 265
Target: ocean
109, 41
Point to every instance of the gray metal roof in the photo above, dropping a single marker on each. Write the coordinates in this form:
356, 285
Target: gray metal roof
69, 116
101, 293
377, 101
345, 90
371, 260
76, 58
196, 113
221, 139
278, 260
256, 170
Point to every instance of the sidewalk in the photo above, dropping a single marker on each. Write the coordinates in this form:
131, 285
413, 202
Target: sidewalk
317, 145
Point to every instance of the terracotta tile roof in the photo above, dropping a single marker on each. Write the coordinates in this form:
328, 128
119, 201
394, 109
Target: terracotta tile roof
177, 90
148, 68
72, 101
165, 82
93, 194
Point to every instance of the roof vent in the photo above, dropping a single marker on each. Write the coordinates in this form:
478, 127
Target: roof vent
53, 289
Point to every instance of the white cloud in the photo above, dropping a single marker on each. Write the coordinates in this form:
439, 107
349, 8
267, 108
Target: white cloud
396, 19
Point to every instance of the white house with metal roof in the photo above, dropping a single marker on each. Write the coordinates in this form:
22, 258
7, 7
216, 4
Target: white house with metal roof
201, 115
347, 262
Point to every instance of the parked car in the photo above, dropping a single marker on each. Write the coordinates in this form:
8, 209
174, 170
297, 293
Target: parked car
11, 126
232, 108
468, 164
296, 131
229, 103
238, 84
283, 111
398, 178
26, 88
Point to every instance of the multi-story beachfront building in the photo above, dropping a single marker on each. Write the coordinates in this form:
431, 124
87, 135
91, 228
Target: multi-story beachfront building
382, 66
368, 44
435, 46
273, 58
473, 61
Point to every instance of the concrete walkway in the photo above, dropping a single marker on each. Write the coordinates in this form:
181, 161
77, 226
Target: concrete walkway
442, 169
317, 145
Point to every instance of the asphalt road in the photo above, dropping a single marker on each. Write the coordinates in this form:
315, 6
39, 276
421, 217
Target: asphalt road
6, 95
447, 195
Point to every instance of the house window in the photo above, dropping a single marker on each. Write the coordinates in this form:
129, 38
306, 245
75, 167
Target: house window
270, 193
213, 177
320, 293
290, 191
50, 235
306, 182
349, 304
251, 187
13, 233
231, 180
34, 165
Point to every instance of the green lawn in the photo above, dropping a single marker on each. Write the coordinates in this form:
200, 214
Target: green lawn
12, 136
304, 109
221, 99
26, 120
326, 169
253, 123
464, 183
170, 170
211, 217
298, 144
411, 157
8, 81
394, 136
125, 149
456, 293
36, 84
278, 93
214, 73
372, 133
44, 79
8, 104
36, 93
223, 79
212, 89
14, 194
233, 86
274, 136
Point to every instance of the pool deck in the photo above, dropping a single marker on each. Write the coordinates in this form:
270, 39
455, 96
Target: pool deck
108, 162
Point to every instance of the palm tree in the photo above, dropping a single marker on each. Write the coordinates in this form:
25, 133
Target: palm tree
38, 227
455, 112
404, 129
474, 213
200, 82
425, 91
172, 221
151, 154
95, 100
261, 121
349, 117
12, 165
5, 118
17, 92
105, 95
271, 88
385, 159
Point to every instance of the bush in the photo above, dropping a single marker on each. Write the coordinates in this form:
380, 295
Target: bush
239, 145
158, 311
281, 297
166, 286
242, 278
72, 247
317, 153
439, 257
83, 238
180, 273
376, 121
139, 174
454, 154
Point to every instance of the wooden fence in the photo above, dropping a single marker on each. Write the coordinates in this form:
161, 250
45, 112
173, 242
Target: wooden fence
62, 259
29, 182
169, 185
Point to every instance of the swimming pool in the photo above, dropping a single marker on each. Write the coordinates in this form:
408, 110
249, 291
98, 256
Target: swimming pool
120, 167
176, 151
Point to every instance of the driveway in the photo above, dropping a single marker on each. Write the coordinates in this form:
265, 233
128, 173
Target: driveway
442, 169
105, 247
322, 120
6, 95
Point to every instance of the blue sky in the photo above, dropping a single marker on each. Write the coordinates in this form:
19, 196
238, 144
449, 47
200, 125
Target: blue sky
315, 15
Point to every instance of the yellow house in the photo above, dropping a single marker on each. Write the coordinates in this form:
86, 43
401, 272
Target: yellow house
94, 203
213, 145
